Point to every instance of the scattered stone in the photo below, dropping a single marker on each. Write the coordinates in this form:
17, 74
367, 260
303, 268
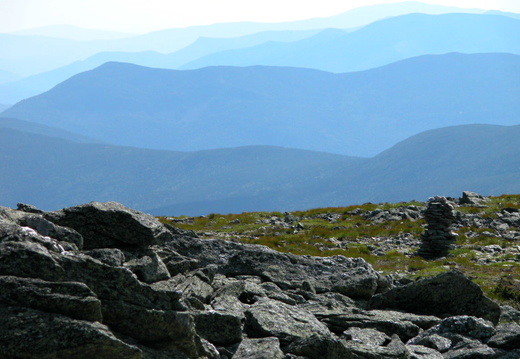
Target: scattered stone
472, 199
434, 341
446, 294
111, 256
353, 277
110, 224
507, 336
104, 281
259, 348
422, 352
267, 318
29, 208
148, 266
366, 336
72, 299
467, 326
509, 314
30, 333
220, 329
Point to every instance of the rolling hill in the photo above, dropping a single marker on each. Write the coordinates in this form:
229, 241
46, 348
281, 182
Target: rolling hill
38, 129
381, 43
52, 173
13, 90
357, 114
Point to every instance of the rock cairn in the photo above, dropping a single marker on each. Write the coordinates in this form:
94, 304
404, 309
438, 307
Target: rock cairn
438, 238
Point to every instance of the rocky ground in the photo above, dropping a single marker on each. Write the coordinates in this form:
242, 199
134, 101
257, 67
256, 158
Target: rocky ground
103, 281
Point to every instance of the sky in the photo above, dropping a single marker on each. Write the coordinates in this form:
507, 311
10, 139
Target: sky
140, 16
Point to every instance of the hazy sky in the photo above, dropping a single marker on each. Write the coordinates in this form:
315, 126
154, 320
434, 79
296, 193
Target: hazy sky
149, 15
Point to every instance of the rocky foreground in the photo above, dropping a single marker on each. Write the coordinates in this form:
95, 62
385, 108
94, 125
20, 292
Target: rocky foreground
104, 281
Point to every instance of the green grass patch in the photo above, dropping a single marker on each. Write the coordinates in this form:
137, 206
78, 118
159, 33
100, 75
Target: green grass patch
352, 235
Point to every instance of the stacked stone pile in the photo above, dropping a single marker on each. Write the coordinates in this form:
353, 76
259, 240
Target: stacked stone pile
103, 281
438, 238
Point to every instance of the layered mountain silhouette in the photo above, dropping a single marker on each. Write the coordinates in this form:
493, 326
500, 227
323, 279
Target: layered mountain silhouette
359, 114
12, 91
305, 44
381, 43
52, 173
39, 129
19, 50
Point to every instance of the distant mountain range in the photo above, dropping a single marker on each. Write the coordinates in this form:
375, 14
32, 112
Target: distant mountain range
52, 173
389, 102
333, 49
12, 91
381, 43
52, 50
358, 114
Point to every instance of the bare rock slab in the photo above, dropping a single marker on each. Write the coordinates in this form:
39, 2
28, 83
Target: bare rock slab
448, 294
72, 299
110, 224
29, 333
268, 318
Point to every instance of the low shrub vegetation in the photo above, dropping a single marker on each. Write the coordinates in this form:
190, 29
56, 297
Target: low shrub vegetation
388, 245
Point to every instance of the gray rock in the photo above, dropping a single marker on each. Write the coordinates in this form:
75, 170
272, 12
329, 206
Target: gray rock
507, 336
29, 259
111, 256
472, 198
72, 299
422, 352
229, 304
221, 329
328, 304
461, 332
475, 351
349, 276
192, 286
110, 224
29, 208
29, 333
259, 348
321, 347
11, 215
117, 283
155, 328
395, 349
245, 291
47, 228
250, 301
434, 341
147, 266
176, 263
449, 293
13, 232
381, 322
366, 336
467, 326
509, 314
267, 318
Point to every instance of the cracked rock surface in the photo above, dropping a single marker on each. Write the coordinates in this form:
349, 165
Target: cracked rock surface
104, 281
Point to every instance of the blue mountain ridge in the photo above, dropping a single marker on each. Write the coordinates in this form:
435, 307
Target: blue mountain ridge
52, 173
359, 113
